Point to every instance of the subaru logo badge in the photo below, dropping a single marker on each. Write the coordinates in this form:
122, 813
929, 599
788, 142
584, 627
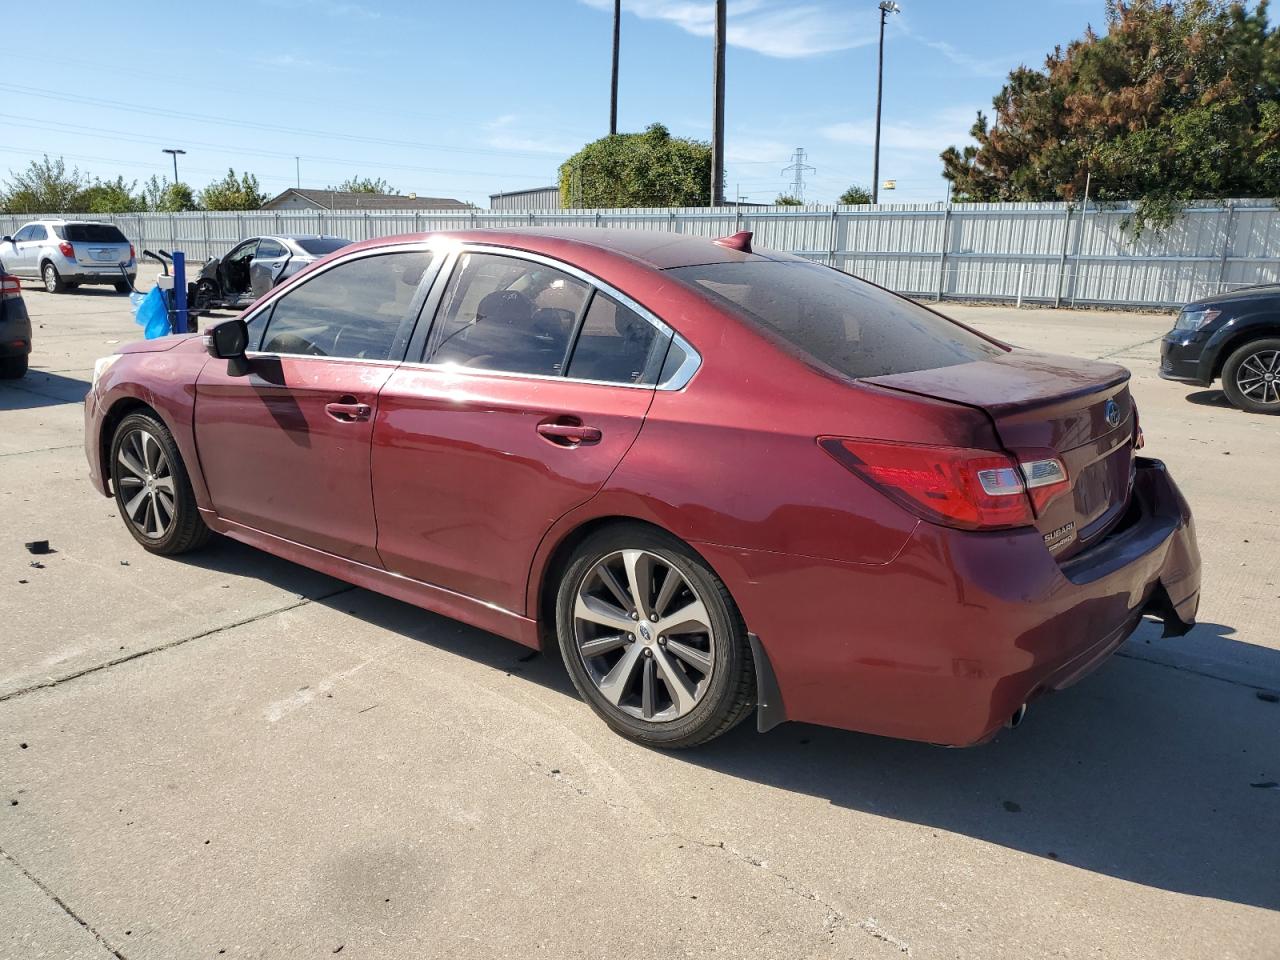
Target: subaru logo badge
1113, 413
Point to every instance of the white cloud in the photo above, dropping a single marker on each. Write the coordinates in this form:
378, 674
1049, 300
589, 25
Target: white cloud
775, 28
503, 133
944, 128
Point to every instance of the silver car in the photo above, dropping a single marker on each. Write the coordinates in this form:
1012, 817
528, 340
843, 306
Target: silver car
252, 267
67, 253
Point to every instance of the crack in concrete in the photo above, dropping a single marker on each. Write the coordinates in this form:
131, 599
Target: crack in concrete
1116, 353
22, 453
1194, 671
62, 905
22, 691
879, 933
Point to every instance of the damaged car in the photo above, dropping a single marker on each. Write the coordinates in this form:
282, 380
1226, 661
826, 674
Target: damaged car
254, 266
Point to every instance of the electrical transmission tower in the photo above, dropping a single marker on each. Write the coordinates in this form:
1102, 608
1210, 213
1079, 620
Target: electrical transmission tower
799, 168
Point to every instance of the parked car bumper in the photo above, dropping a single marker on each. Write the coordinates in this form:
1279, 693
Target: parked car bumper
15, 331
949, 639
94, 273
1180, 359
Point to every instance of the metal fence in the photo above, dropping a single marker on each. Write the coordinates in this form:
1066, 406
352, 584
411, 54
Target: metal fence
1051, 253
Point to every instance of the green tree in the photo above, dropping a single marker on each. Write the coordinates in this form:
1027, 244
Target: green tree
856, 194
175, 198
788, 200
1177, 101
44, 187
233, 193
111, 196
366, 185
650, 169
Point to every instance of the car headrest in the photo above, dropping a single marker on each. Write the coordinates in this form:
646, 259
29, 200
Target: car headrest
505, 306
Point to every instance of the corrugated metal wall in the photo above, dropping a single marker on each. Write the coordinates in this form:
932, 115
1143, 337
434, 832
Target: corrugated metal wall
1037, 252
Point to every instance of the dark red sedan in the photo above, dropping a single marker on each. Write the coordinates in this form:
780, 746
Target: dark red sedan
720, 479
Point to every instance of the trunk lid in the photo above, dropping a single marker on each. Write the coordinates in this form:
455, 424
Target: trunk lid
1042, 405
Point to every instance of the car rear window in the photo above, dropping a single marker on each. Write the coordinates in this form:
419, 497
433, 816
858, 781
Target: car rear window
91, 233
847, 323
319, 246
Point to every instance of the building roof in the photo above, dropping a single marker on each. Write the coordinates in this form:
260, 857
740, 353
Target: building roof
517, 193
347, 200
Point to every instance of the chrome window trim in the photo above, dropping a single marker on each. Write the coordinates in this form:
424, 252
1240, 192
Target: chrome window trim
677, 381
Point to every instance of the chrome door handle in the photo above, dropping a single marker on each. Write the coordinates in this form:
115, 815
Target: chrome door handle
348, 412
569, 434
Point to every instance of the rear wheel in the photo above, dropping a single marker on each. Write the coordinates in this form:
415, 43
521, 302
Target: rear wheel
652, 639
52, 279
1251, 376
11, 368
152, 488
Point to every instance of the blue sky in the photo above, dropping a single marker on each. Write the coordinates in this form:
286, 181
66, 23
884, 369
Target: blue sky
463, 99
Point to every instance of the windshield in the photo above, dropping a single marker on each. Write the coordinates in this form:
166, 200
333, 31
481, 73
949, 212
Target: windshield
91, 233
847, 323
319, 246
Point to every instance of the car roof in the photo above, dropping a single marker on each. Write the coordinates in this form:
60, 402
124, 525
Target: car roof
657, 249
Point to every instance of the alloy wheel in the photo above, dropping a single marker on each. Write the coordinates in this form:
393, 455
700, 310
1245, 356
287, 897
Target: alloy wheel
1258, 376
644, 635
51, 278
146, 484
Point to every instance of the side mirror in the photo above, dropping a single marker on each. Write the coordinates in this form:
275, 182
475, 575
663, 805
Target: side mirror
7, 239
228, 341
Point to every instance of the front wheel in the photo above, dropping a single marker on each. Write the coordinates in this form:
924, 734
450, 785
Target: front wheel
1251, 376
52, 279
152, 488
652, 639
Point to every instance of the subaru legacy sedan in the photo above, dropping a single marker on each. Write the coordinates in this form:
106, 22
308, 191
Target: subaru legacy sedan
719, 479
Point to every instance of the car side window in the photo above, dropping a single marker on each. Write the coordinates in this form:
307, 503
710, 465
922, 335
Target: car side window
38, 233
22, 235
504, 313
358, 309
617, 345
269, 249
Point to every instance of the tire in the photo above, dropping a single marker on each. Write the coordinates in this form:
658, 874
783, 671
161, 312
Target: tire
122, 287
631, 683
52, 279
148, 446
1251, 376
11, 368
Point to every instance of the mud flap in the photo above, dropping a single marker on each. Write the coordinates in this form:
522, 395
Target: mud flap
769, 711
1162, 608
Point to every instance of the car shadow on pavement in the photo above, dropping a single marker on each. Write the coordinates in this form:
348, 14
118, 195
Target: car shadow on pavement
1209, 398
41, 389
1144, 771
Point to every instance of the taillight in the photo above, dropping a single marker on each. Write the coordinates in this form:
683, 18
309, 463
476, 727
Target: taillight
1046, 479
954, 486
67, 250
131, 255
10, 289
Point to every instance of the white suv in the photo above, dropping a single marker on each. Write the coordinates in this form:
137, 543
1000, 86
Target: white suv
67, 253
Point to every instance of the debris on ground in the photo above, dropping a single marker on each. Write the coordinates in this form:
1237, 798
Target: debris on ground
37, 546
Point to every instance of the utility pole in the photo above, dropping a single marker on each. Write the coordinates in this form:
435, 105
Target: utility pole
886, 7
171, 150
798, 167
613, 97
297, 167
717, 124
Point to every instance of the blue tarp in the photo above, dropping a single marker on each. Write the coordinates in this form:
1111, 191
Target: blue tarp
151, 312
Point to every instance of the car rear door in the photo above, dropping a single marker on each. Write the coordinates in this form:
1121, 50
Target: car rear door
268, 263
505, 427
285, 448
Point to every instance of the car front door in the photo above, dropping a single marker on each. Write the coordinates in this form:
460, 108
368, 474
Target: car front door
20, 256
285, 448
479, 449
233, 273
268, 262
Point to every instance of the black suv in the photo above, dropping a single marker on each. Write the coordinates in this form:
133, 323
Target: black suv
1233, 336
15, 328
